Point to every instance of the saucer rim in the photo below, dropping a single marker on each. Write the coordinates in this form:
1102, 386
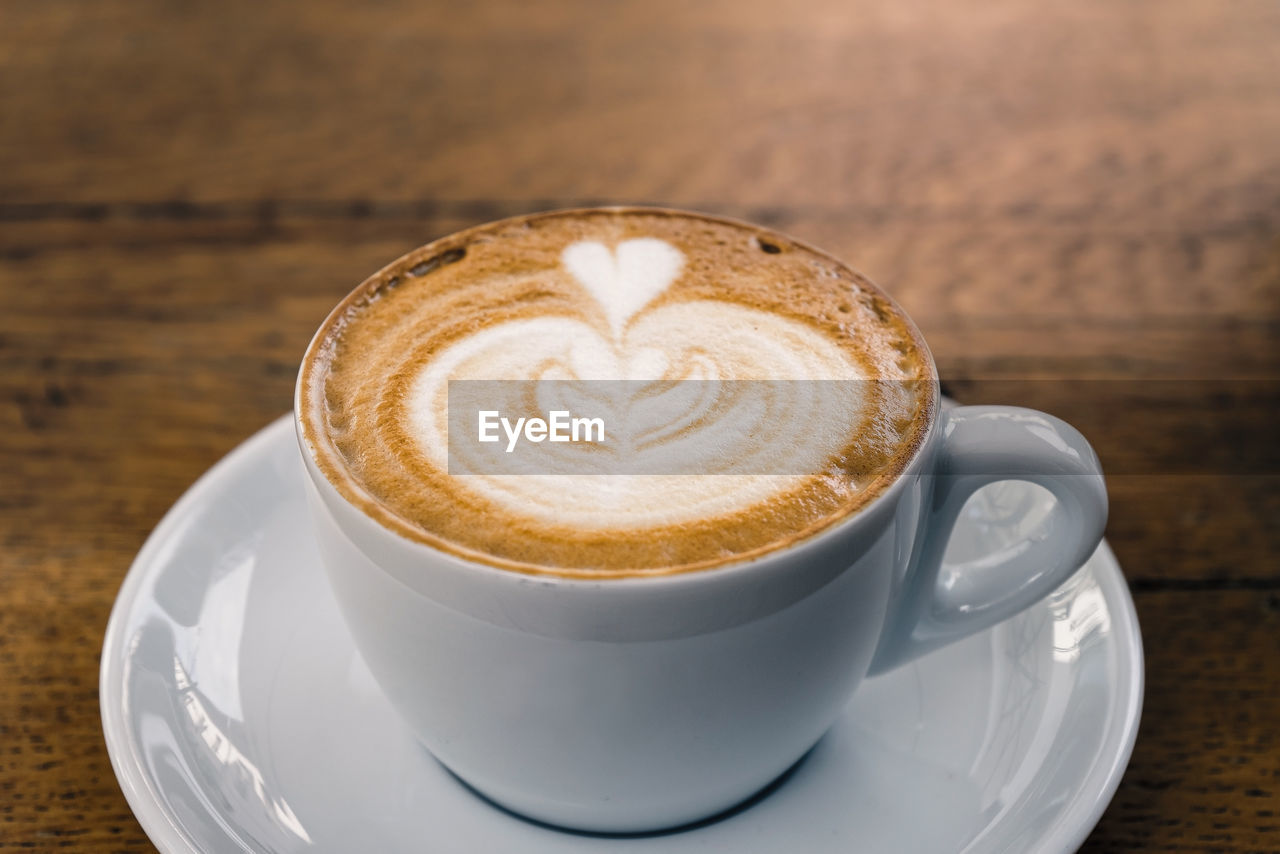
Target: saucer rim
1124, 623
1067, 834
148, 807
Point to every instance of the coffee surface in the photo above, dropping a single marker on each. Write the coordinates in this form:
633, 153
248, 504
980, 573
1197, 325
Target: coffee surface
641, 295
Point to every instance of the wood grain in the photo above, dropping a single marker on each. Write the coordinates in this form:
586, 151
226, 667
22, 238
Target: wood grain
1134, 113
1079, 204
1204, 775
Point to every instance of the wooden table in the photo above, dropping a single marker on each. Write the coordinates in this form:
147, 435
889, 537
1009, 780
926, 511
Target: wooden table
1079, 203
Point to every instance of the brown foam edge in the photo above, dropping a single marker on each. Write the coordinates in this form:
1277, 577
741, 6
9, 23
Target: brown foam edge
327, 458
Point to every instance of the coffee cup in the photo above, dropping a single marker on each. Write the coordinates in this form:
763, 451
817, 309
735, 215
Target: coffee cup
615, 679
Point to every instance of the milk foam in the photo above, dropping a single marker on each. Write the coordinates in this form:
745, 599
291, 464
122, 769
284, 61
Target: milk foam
626, 279
702, 340
608, 295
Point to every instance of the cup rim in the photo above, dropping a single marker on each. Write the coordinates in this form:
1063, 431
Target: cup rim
908, 463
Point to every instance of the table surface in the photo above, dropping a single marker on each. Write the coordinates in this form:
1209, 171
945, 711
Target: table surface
1078, 202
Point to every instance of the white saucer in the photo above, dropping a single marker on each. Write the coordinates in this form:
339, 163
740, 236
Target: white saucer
239, 717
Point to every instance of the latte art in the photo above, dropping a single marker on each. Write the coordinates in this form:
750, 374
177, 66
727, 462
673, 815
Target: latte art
686, 310
626, 279
693, 342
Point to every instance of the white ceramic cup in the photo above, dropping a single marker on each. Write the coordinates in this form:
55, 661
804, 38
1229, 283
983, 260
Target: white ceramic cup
642, 703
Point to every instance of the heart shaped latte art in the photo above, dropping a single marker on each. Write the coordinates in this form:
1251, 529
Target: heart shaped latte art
626, 279
789, 426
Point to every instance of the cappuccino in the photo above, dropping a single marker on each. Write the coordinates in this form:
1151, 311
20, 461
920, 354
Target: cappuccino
649, 297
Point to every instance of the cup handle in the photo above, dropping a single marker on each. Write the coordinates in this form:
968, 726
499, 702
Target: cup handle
942, 603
